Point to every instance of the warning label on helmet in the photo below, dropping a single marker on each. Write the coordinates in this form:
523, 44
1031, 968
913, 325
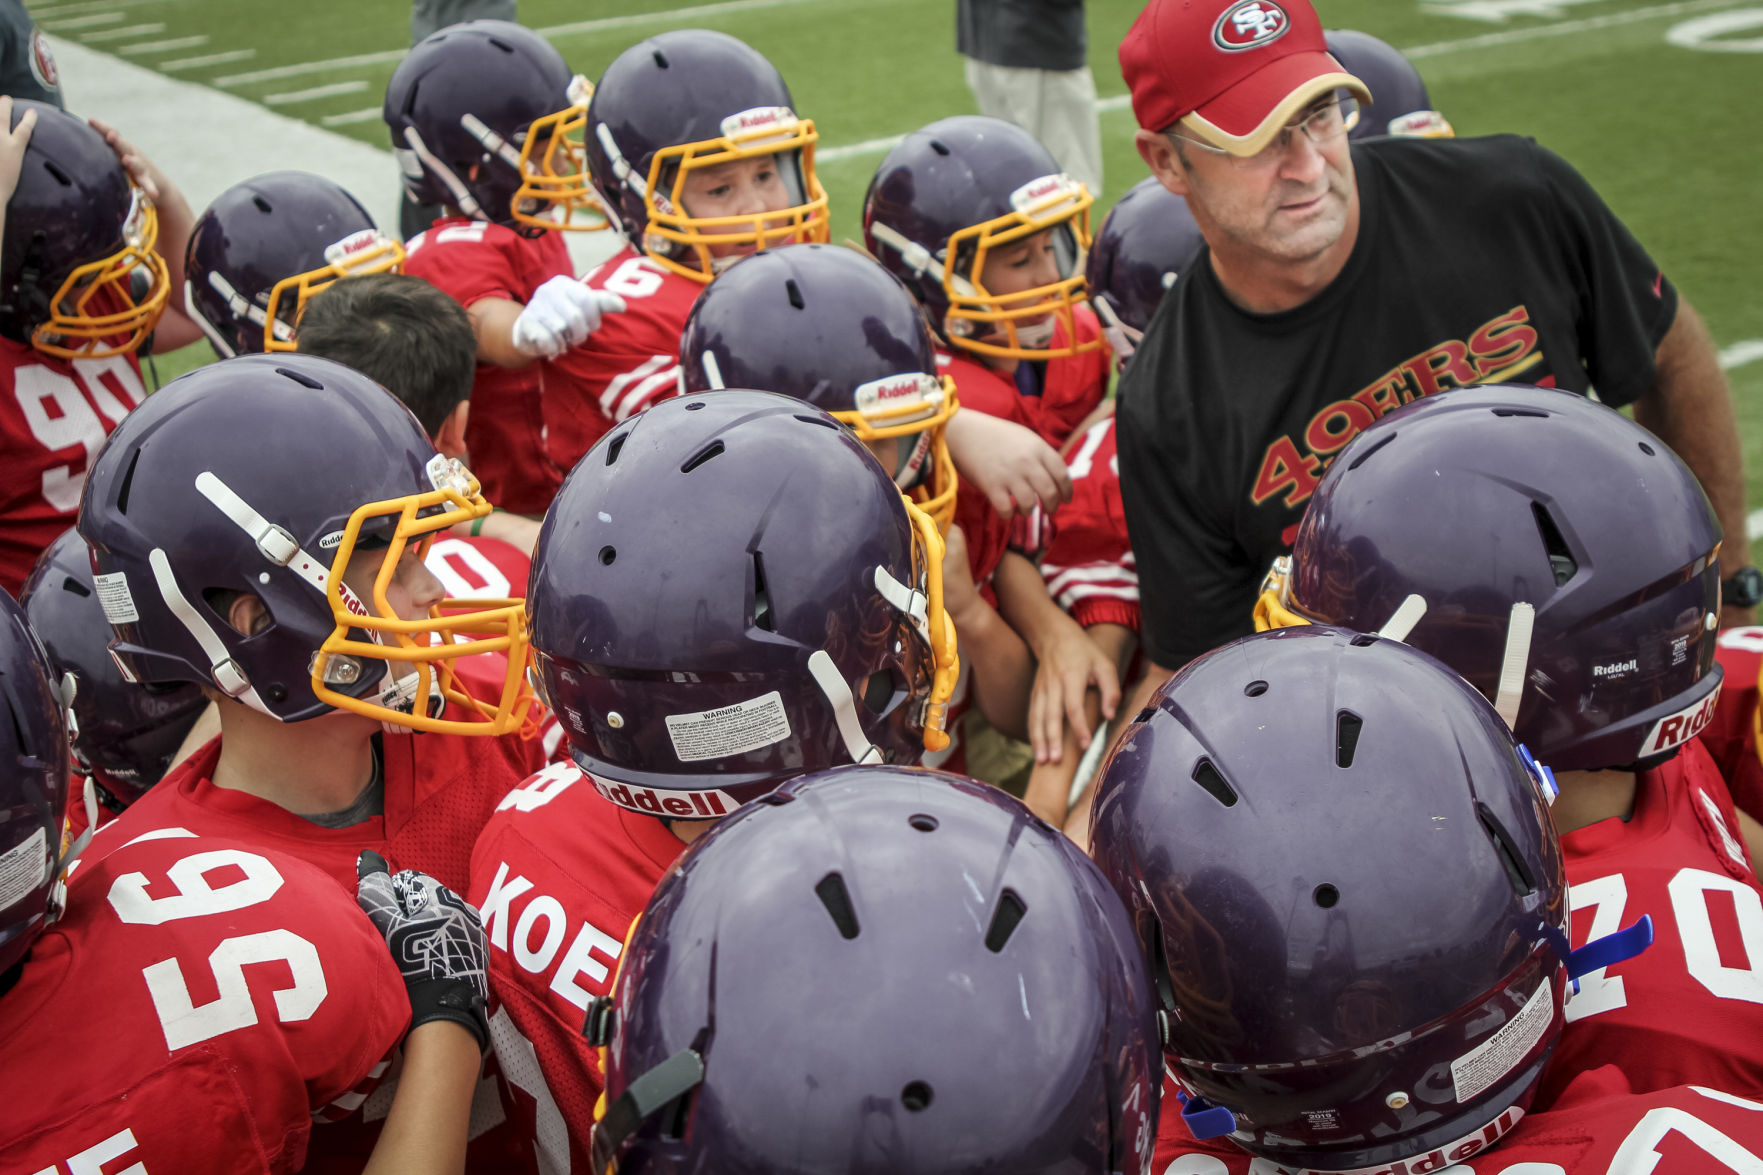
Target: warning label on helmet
114, 598
1478, 1069
731, 730
23, 867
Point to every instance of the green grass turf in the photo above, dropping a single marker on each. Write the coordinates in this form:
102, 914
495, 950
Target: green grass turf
1660, 130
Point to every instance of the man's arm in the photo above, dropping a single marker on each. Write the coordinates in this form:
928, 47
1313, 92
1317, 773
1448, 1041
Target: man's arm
1690, 407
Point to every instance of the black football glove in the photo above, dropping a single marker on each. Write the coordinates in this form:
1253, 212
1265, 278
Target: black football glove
437, 941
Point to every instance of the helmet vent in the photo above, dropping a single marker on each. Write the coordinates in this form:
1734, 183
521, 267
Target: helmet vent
795, 293
608, 556
128, 482
713, 449
61, 176
1210, 778
301, 378
1144, 715
939, 147
1366, 455
1363, 641
613, 446
1326, 896
833, 895
761, 598
262, 205
1254, 689
70, 584
822, 421
1561, 560
660, 58
1521, 412
1648, 449
916, 1096
1346, 737
1517, 872
1005, 919
502, 45
923, 821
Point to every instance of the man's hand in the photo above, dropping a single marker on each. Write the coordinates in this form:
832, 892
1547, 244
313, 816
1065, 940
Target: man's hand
561, 314
12, 147
437, 941
1011, 465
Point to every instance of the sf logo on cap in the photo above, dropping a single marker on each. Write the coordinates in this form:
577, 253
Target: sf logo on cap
1249, 25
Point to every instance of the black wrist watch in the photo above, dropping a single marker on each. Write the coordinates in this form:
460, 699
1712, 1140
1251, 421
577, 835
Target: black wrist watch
1742, 589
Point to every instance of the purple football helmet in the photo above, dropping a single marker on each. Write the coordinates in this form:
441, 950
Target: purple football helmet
828, 325
124, 734
729, 591
498, 97
78, 274
318, 463
1557, 554
683, 101
1148, 238
265, 246
33, 783
1342, 871
978, 1001
950, 194
1399, 104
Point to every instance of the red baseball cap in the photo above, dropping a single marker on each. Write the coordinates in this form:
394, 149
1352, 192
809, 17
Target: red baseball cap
1231, 72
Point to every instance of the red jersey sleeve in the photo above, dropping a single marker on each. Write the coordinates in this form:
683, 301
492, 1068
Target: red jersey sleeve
1089, 564
559, 874
470, 260
1689, 1009
1731, 734
629, 363
193, 982
54, 417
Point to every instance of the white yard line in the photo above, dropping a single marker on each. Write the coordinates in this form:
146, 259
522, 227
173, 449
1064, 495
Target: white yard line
82, 22
175, 43
316, 92
385, 56
1740, 354
1568, 27
51, 11
133, 30
207, 59
349, 118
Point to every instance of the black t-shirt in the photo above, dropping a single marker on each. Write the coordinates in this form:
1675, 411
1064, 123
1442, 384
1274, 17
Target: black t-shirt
1478, 261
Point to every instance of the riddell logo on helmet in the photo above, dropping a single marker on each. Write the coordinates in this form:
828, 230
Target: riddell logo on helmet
758, 118
890, 391
1682, 726
1250, 25
697, 805
1616, 669
1041, 191
1442, 1159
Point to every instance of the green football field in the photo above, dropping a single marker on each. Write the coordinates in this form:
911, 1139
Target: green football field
1657, 103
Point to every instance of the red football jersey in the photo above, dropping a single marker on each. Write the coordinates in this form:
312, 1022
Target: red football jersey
470, 260
201, 1000
1071, 388
439, 791
1731, 734
631, 362
1689, 1009
54, 416
1089, 564
1598, 1127
559, 874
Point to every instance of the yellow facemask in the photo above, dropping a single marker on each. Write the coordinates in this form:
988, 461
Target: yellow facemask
554, 169
432, 643
907, 406
368, 251
94, 314
1273, 608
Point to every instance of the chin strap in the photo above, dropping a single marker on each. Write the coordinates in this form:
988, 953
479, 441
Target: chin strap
1203, 1119
1603, 952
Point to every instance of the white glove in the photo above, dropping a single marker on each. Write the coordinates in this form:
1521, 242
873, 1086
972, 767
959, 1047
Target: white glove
560, 314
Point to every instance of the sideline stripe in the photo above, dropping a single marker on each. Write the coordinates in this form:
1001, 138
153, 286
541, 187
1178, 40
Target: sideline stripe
386, 56
81, 22
52, 11
352, 116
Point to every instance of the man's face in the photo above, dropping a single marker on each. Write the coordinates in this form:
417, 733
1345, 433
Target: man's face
1290, 204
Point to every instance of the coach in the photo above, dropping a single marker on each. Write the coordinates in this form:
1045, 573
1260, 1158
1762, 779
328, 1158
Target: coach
1343, 282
